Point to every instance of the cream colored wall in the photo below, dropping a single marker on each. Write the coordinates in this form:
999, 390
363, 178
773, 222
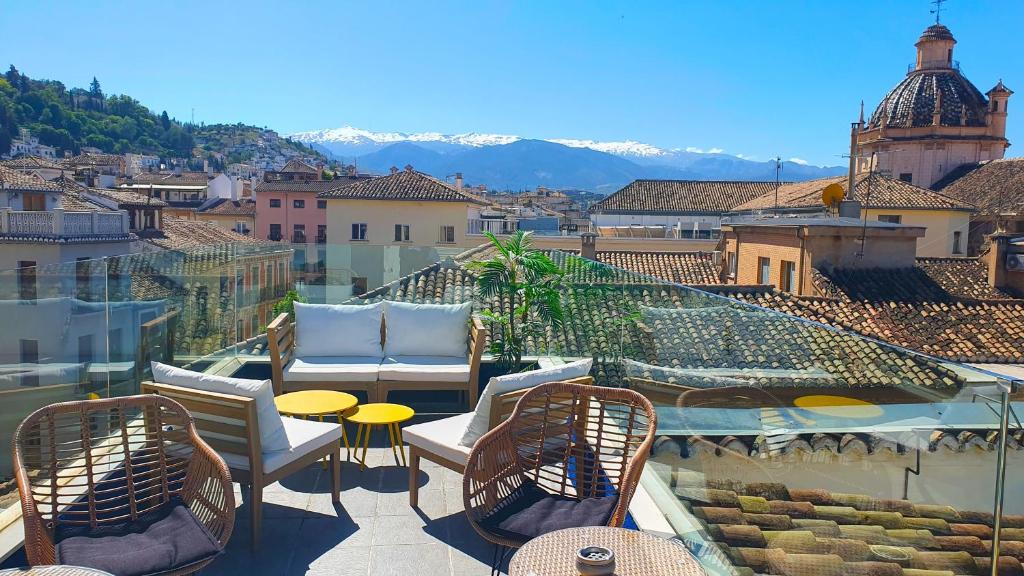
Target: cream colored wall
228, 221
939, 227
423, 218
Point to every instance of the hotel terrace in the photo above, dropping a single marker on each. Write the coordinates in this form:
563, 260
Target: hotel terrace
791, 438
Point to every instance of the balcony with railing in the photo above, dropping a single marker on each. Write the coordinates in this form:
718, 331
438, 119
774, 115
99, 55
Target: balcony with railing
782, 446
59, 225
298, 237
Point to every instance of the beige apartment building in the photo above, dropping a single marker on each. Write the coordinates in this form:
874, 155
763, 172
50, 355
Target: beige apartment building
405, 208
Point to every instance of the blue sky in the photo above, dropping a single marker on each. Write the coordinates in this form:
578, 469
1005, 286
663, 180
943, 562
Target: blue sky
751, 78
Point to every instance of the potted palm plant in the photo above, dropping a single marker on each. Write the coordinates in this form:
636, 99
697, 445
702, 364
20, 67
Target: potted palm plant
523, 285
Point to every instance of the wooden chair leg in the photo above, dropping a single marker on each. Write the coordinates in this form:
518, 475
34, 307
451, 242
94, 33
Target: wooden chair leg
414, 477
336, 475
473, 394
255, 513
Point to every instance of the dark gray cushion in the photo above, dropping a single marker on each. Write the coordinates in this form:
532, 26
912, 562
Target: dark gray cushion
168, 538
532, 511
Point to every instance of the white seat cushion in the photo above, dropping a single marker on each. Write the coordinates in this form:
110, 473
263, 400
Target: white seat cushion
441, 437
427, 329
305, 436
338, 330
272, 435
477, 426
425, 369
332, 369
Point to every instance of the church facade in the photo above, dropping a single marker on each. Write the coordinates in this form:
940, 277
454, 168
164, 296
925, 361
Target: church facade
935, 120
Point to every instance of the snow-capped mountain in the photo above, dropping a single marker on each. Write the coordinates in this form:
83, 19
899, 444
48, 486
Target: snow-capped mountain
348, 141
513, 162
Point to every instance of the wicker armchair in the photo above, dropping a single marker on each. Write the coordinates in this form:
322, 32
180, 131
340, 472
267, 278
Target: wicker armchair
115, 472
570, 455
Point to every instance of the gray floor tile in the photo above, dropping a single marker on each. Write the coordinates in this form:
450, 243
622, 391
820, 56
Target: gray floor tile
398, 530
431, 503
340, 561
399, 560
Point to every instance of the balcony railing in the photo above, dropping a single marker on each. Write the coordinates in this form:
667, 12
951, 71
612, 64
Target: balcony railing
298, 238
274, 237
494, 226
321, 238
58, 224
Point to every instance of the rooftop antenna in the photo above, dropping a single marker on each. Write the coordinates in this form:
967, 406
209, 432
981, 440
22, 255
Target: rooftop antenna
937, 10
778, 172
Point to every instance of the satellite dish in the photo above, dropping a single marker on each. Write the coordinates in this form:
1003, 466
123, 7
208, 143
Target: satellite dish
832, 195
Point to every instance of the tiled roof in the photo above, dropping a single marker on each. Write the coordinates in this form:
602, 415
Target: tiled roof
996, 186
936, 32
602, 318
911, 103
182, 234
885, 193
402, 185
229, 207
31, 162
16, 180
315, 186
693, 268
128, 197
87, 159
769, 528
169, 179
681, 196
297, 165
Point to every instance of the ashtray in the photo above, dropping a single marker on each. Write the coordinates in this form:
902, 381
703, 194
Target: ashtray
595, 561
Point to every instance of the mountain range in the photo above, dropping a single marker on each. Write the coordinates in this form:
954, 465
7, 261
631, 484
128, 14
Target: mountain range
507, 162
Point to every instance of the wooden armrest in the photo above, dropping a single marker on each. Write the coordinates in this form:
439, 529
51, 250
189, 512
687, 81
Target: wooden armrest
281, 342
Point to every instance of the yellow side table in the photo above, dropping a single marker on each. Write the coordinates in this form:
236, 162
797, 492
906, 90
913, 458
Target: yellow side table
319, 403
381, 414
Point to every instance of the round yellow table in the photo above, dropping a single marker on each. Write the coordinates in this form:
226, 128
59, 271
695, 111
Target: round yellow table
381, 414
319, 403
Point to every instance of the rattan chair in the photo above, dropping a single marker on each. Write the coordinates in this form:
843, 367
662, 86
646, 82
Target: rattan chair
570, 455
99, 475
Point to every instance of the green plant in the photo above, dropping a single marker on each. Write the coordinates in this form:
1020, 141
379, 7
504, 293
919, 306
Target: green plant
287, 303
526, 281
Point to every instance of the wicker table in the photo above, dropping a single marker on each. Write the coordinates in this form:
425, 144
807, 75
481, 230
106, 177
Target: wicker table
636, 554
54, 571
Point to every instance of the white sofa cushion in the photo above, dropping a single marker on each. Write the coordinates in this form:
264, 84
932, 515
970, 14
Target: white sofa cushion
425, 369
332, 369
441, 437
304, 436
478, 425
338, 330
272, 434
426, 329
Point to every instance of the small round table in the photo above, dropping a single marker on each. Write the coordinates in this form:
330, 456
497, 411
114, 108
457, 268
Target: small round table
380, 414
636, 553
54, 571
307, 403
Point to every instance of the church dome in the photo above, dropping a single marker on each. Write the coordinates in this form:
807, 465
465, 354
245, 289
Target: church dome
935, 85
912, 102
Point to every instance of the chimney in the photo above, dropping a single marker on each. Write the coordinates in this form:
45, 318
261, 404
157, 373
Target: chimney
458, 181
999, 247
206, 166
588, 246
408, 167
394, 170
177, 169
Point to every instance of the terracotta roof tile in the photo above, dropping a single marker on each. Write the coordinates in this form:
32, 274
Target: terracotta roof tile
169, 179
128, 197
821, 533
181, 234
16, 180
681, 196
230, 207
297, 165
912, 102
996, 187
31, 162
693, 268
316, 186
885, 193
402, 185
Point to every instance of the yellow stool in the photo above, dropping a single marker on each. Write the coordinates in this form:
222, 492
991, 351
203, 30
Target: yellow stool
369, 415
319, 403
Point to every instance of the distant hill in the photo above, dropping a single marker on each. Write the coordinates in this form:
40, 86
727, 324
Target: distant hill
510, 162
70, 118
